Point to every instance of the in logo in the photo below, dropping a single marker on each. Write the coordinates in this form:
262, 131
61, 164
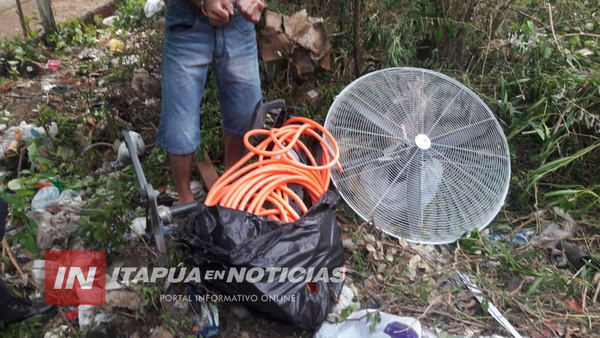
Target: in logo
75, 277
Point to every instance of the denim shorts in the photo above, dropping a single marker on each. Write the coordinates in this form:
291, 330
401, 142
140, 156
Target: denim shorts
191, 44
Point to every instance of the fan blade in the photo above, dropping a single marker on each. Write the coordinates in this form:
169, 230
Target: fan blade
413, 195
376, 117
460, 136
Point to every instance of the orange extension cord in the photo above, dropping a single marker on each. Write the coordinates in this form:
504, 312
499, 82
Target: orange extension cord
249, 187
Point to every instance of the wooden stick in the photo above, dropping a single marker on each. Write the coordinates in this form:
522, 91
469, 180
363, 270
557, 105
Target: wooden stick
11, 257
62, 314
596, 293
22, 19
207, 171
591, 35
14, 262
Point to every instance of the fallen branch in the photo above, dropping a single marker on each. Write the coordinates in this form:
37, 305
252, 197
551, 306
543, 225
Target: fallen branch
591, 35
14, 262
64, 317
99, 144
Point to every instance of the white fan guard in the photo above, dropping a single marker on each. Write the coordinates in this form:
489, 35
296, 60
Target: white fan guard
424, 158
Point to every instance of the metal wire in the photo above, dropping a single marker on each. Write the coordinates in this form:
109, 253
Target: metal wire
434, 190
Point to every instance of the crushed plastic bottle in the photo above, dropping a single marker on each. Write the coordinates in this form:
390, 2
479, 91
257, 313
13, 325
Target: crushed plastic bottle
205, 317
45, 197
49, 196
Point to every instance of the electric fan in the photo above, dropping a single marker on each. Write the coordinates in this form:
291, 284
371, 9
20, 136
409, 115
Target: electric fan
424, 158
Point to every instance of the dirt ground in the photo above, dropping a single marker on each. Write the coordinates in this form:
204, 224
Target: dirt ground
63, 9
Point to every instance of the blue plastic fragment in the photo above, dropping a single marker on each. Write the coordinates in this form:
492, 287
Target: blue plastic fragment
399, 330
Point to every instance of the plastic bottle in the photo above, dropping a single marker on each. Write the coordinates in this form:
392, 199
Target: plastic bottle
45, 197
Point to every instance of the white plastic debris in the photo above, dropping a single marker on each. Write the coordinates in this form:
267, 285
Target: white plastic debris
152, 7
138, 226
87, 311
53, 227
50, 196
551, 235
110, 20
89, 54
13, 137
44, 198
344, 301
138, 229
39, 271
59, 332
125, 299
123, 154
492, 309
359, 324
48, 83
195, 186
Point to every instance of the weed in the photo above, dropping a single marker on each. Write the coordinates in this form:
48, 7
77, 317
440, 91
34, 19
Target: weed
31, 327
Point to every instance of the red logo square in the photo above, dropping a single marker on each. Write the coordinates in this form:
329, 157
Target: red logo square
75, 277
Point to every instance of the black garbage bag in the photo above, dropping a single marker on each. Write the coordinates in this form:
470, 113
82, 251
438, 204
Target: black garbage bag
220, 238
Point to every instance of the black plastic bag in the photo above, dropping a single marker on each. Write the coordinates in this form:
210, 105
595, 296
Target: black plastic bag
220, 238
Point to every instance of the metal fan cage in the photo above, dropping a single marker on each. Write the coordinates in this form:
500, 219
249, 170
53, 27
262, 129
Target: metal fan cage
424, 157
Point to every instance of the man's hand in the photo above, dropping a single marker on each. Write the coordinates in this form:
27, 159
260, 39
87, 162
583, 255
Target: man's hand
251, 9
218, 11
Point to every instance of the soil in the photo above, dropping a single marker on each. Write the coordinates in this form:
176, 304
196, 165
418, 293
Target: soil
63, 9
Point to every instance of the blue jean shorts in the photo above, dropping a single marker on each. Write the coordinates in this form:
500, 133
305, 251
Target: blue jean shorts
191, 44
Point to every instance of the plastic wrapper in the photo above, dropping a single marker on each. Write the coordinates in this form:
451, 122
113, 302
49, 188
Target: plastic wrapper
152, 7
365, 324
219, 238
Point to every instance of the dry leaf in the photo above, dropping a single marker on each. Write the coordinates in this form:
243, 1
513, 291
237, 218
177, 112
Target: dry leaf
371, 248
389, 256
403, 242
414, 261
6, 86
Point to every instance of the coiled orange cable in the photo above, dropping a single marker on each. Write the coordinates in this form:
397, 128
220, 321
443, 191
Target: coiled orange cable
262, 187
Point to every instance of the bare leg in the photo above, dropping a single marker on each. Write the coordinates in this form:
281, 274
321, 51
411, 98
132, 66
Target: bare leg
180, 166
234, 149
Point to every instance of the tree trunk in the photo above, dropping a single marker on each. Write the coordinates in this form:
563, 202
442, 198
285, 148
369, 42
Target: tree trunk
22, 19
47, 16
357, 51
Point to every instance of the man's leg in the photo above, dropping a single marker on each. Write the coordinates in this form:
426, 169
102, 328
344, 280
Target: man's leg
236, 66
234, 149
180, 167
188, 50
